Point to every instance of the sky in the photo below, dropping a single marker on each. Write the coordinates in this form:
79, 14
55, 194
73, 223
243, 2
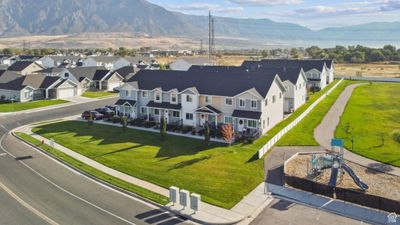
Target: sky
310, 13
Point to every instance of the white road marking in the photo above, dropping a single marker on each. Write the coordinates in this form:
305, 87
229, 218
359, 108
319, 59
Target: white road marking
3, 154
26, 205
2, 126
62, 189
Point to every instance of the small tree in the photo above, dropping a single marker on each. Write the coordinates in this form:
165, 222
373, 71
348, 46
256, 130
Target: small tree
124, 122
207, 135
90, 120
227, 133
163, 128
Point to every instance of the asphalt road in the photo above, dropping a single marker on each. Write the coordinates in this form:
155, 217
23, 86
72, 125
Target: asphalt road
282, 212
35, 189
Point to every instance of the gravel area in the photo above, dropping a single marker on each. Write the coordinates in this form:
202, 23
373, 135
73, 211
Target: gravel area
380, 184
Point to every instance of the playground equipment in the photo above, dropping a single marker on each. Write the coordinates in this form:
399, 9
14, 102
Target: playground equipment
333, 159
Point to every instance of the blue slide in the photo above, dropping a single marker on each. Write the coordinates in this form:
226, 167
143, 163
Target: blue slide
356, 179
333, 180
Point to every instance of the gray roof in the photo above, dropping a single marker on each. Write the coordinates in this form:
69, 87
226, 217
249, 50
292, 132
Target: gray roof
306, 65
20, 65
207, 83
64, 57
291, 74
246, 114
125, 71
51, 70
7, 76
93, 73
39, 81
164, 105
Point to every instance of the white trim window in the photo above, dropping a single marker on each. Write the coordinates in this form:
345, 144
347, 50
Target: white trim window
228, 101
280, 95
242, 103
208, 99
157, 96
143, 110
189, 116
189, 98
266, 102
228, 119
252, 123
253, 104
174, 98
176, 114
273, 99
127, 94
145, 94
157, 112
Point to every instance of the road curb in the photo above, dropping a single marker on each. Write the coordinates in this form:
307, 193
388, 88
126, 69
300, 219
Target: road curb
91, 177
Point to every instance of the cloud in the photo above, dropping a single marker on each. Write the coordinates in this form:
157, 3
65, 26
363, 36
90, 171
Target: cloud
349, 8
205, 7
265, 2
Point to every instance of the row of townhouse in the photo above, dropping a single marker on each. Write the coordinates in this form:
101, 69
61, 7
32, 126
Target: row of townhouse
249, 101
251, 98
319, 73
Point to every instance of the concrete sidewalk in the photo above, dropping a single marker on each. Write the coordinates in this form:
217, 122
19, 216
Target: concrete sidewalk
325, 132
244, 212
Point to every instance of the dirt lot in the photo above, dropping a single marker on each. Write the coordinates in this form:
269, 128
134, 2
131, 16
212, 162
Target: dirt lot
224, 60
372, 70
380, 184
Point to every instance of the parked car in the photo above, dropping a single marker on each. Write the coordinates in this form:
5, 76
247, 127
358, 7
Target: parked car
95, 115
106, 112
111, 107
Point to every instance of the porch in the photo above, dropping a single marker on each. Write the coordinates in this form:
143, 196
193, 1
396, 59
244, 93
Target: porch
207, 115
126, 108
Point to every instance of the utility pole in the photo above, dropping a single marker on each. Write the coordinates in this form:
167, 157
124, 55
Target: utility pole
209, 36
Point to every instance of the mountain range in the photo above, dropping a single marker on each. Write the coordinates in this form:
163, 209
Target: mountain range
56, 17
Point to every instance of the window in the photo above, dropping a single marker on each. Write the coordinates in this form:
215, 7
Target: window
228, 101
268, 121
157, 112
145, 94
280, 95
189, 116
127, 93
66, 75
266, 102
208, 99
263, 124
176, 114
228, 119
189, 98
26, 94
174, 98
252, 123
157, 97
253, 104
273, 99
242, 103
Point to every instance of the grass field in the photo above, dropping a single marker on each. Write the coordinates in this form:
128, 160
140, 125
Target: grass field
94, 172
98, 94
371, 116
303, 133
375, 70
222, 175
20, 106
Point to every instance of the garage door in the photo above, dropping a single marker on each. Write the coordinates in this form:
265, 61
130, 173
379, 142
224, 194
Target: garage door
111, 86
66, 93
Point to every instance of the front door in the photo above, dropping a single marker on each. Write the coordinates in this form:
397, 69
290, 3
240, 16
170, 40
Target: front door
166, 116
240, 125
202, 119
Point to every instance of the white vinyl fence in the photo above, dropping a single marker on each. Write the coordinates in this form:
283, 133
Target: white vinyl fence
279, 135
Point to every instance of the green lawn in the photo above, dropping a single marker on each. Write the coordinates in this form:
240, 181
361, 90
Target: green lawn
94, 172
222, 175
312, 98
373, 112
303, 133
20, 106
98, 94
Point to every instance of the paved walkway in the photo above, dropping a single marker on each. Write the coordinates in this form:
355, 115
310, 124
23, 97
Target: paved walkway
245, 210
325, 132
